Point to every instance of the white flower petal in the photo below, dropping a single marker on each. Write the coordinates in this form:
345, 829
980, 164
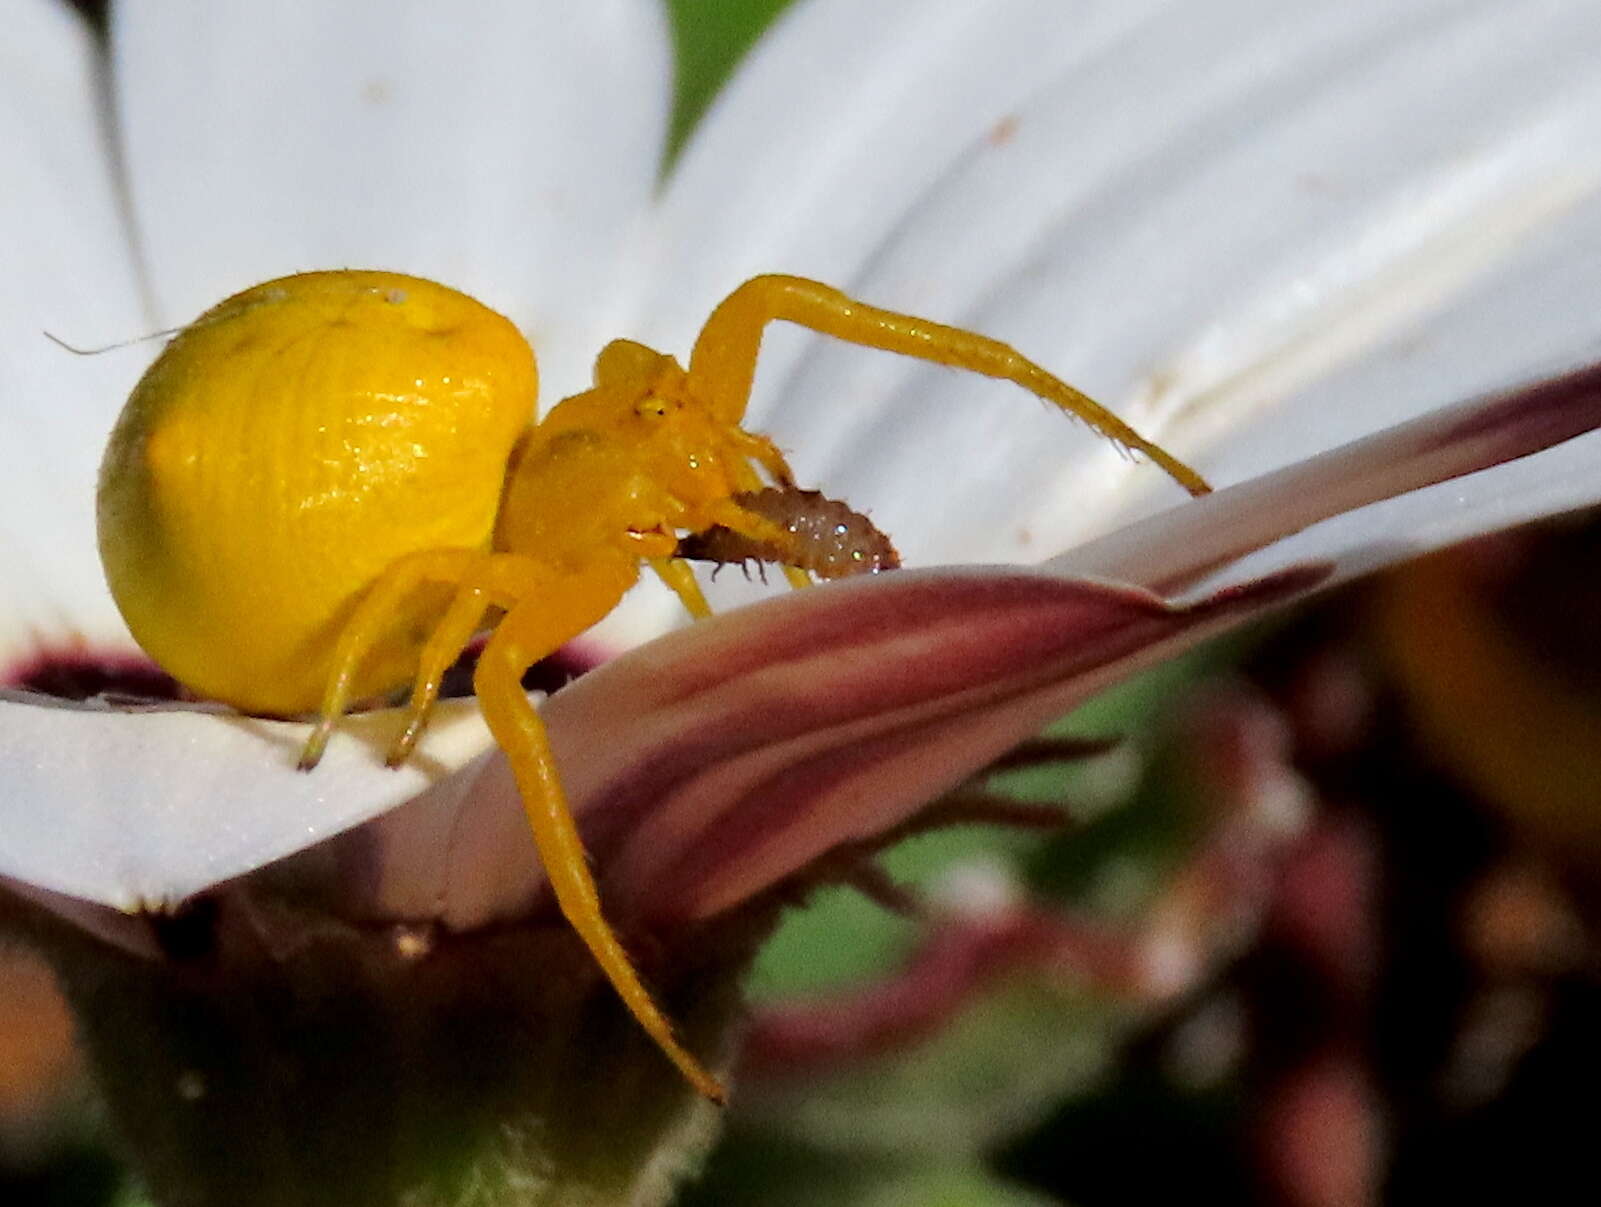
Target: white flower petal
67, 271
1254, 228
137, 809
504, 146
1194, 212
838, 118
1201, 225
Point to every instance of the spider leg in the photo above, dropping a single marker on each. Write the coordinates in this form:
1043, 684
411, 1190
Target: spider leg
758, 528
722, 365
753, 446
369, 624
489, 583
564, 608
761, 449
675, 572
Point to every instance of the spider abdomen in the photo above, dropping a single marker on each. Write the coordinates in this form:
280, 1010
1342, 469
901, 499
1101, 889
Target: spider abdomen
362, 416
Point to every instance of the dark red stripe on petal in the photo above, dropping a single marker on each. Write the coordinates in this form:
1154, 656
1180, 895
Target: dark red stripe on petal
840, 619
1526, 420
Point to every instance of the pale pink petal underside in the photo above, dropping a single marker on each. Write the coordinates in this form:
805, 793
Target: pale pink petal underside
830, 717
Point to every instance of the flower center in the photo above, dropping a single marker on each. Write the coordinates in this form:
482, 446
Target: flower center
82, 673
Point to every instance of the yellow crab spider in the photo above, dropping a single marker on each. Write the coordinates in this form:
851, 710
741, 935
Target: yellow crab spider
325, 485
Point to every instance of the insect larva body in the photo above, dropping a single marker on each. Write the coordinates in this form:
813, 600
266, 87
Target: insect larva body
825, 537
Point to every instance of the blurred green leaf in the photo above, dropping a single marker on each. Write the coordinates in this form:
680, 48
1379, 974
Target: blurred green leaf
914, 1127
710, 37
777, 1173
1137, 829
990, 1073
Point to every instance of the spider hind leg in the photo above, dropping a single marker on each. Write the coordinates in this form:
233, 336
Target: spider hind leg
370, 626
559, 611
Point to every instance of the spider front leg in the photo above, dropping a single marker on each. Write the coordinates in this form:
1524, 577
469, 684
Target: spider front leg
732, 516
760, 449
675, 572
559, 610
764, 452
722, 365
680, 579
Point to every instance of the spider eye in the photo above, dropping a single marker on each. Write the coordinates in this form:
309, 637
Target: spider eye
651, 407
